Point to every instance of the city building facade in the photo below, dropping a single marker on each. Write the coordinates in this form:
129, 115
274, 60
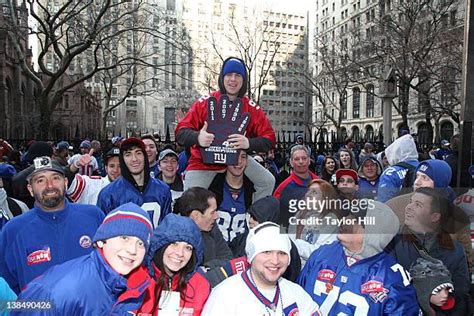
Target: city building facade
352, 47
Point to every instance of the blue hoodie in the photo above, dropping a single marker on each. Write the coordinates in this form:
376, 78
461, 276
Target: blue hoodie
177, 228
403, 149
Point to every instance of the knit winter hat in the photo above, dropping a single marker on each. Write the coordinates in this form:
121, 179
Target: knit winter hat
429, 277
126, 220
38, 149
236, 66
266, 237
85, 144
266, 209
438, 170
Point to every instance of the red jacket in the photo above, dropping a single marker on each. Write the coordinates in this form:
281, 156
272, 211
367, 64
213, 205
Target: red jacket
5, 148
197, 292
259, 126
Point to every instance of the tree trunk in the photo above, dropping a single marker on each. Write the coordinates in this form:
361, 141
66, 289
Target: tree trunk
103, 133
437, 130
45, 127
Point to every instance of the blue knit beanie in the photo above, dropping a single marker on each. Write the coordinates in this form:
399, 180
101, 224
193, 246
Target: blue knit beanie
234, 65
126, 220
438, 170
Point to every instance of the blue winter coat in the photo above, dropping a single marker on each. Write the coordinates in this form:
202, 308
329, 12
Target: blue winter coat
403, 149
83, 286
155, 199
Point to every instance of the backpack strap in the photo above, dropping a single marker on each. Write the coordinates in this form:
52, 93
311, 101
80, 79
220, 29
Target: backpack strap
409, 174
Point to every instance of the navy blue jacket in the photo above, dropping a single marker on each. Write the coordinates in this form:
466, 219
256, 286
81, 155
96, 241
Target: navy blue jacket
155, 199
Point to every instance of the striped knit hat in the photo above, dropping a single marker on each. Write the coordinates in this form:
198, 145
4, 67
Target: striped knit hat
126, 220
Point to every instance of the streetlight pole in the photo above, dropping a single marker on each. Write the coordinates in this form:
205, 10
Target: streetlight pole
467, 99
387, 92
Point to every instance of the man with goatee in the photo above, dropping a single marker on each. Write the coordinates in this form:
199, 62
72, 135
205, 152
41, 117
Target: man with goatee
52, 232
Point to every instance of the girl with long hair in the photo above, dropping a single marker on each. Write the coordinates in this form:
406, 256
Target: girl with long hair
329, 167
176, 252
313, 226
347, 159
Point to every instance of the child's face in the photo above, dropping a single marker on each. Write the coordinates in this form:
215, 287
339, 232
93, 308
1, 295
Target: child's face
440, 298
123, 253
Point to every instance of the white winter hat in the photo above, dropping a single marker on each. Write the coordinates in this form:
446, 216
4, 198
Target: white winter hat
266, 237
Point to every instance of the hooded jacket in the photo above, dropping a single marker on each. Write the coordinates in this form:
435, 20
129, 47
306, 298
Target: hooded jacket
403, 149
259, 130
368, 189
367, 282
84, 286
176, 228
154, 197
267, 210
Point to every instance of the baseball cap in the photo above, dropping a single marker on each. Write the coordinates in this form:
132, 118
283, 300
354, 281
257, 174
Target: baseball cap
347, 172
63, 145
116, 139
444, 142
45, 163
165, 153
111, 153
132, 141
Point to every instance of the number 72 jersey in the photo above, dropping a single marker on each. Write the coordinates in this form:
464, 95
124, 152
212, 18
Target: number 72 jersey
373, 286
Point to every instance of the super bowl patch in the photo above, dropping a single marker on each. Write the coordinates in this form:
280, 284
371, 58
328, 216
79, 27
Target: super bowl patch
39, 256
375, 289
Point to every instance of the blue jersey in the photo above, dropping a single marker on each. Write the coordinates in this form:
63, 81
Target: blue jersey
35, 241
367, 189
232, 211
155, 199
391, 181
374, 286
155, 170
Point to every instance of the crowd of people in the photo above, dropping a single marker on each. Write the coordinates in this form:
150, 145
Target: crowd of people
129, 228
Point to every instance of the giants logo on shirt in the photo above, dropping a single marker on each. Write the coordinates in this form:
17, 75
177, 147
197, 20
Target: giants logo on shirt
375, 290
39, 256
326, 275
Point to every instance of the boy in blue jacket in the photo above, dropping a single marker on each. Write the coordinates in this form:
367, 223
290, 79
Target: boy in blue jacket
94, 284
